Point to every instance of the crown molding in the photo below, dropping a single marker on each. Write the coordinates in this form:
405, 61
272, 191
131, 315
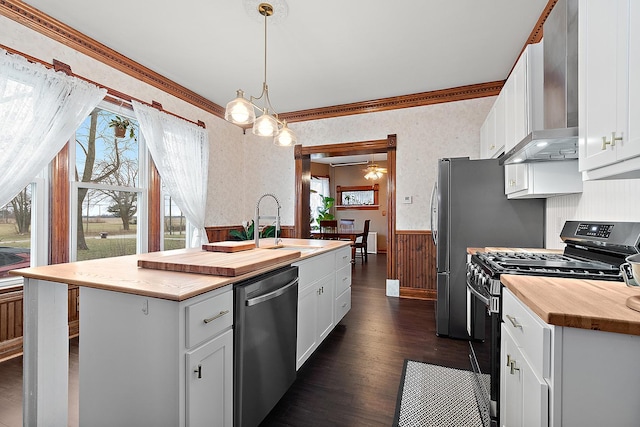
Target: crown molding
44, 24
60, 32
393, 103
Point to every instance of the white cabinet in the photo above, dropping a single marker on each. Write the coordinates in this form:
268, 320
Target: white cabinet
324, 297
343, 283
565, 376
209, 368
609, 90
154, 362
492, 141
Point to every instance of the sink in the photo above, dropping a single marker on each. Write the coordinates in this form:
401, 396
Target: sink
302, 249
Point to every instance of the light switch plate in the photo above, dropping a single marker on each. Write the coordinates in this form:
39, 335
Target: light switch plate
407, 199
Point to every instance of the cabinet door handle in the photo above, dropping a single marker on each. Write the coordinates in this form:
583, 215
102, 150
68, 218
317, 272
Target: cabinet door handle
514, 322
217, 316
198, 371
508, 360
614, 138
513, 367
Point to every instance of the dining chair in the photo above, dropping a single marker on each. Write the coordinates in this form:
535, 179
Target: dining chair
347, 225
328, 229
361, 241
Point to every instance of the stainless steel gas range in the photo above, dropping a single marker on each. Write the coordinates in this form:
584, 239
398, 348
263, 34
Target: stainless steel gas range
594, 250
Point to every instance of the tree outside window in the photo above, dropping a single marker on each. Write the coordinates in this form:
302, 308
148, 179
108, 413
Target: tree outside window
107, 176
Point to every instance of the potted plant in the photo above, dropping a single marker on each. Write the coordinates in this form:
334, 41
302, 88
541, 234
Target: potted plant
247, 232
120, 126
324, 211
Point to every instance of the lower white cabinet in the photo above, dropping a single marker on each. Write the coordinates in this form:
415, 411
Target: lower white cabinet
524, 393
153, 362
209, 376
561, 376
324, 297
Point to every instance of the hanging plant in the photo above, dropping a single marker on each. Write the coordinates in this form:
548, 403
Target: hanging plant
120, 126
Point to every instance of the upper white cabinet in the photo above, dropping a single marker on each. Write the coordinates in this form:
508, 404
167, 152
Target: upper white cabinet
524, 113
609, 90
492, 141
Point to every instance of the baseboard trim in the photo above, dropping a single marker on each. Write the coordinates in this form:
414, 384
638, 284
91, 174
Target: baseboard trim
413, 293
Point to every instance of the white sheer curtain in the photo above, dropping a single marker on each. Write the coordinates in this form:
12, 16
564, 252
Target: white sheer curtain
180, 151
40, 110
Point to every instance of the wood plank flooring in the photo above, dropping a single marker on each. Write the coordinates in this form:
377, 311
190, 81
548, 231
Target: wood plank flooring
353, 377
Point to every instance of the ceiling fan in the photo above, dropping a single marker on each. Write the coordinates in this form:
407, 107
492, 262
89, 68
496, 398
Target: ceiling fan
373, 172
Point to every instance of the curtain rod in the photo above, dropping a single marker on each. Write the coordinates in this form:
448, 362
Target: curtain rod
116, 96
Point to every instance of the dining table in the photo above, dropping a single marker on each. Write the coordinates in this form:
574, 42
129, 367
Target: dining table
340, 235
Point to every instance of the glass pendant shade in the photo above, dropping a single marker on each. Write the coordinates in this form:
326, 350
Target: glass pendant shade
240, 111
372, 173
285, 137
265, 125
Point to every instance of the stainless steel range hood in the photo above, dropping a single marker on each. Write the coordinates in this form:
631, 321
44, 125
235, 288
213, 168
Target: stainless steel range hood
559, 138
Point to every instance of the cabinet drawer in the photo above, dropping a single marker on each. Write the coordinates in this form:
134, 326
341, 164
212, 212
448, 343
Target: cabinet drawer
207, 318
343, 279
530, 333
343, 257
313, 269
343, 304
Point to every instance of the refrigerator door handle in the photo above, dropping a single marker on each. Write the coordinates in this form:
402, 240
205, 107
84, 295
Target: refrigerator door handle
434, 232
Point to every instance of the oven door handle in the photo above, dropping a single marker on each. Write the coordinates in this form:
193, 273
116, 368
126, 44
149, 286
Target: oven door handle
478, 295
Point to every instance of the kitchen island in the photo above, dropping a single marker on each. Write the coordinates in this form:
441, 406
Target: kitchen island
139, 332
569, 352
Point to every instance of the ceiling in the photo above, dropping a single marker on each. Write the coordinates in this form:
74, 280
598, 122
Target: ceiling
320, 54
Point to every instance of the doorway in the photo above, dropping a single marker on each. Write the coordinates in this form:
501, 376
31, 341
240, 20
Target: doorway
303, 156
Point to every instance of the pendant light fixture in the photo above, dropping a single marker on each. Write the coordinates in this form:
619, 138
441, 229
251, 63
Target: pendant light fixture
240, 110
372, 171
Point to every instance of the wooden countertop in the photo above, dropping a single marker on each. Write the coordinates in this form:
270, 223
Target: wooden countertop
585, 304
122, 274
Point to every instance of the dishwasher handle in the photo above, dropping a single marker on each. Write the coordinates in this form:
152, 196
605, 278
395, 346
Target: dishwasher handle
271, 295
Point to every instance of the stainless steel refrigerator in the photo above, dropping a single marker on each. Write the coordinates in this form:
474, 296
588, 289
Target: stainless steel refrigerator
469, 209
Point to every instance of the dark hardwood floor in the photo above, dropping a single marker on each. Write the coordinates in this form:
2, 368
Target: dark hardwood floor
353, 377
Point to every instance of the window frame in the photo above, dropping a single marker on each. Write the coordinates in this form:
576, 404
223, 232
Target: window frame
142, 190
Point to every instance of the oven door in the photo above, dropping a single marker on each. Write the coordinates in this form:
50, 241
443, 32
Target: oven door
478, 307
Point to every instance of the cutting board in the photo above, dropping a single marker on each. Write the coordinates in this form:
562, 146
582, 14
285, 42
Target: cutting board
218, 263
229, 246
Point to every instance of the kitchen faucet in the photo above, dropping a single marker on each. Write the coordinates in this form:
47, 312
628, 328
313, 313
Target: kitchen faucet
256, 221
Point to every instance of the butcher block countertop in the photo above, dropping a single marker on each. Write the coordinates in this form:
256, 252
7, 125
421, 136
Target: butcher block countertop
122, 274
586, 304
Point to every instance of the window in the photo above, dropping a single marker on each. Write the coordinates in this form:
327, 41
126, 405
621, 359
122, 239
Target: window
108, 194
175, 225
23, 238
319, 189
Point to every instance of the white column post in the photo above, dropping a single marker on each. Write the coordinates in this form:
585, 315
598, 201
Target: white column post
46, 354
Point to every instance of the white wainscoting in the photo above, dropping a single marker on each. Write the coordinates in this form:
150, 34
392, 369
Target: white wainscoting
606, 200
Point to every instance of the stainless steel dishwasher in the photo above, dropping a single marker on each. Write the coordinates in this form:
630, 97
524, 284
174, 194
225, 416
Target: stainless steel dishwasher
265, 333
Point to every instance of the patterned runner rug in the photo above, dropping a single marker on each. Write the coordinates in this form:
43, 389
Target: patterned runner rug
435, 396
